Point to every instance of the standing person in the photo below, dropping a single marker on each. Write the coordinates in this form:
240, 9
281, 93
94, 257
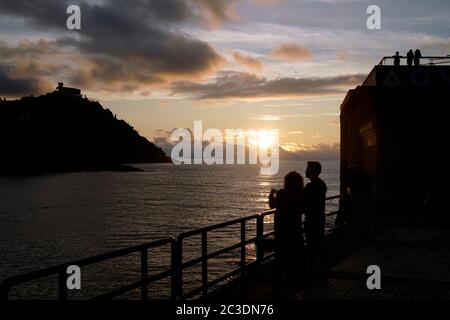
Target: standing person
397, 59
315, 192
410, 57
362, 198
417, 56
289, 242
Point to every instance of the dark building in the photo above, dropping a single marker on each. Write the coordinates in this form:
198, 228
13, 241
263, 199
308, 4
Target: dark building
72, 92
396, 125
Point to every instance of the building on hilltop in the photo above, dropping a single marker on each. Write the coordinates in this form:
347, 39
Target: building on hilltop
73, 92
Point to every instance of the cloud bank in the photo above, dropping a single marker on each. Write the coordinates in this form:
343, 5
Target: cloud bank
121, 47
233, 84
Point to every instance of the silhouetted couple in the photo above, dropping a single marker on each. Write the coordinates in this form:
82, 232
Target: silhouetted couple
291, 202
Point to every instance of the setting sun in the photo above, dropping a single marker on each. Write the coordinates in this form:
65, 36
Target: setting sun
263, 139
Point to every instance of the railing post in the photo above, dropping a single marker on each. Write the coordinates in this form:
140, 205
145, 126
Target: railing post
177, 271
144, 274
62, 285
204, 263
243, 255
260, 238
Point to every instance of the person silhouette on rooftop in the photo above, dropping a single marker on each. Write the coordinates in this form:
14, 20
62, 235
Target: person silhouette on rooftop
410, 57
417, 56
397, 59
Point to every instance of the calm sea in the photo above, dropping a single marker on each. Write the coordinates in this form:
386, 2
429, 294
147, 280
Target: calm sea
50, 219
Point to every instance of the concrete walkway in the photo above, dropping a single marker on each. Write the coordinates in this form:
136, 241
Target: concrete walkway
414, 263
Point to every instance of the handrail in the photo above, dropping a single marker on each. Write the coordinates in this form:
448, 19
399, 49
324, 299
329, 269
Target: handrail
62, 268
206, 256
216, 226
177, 264
430, 58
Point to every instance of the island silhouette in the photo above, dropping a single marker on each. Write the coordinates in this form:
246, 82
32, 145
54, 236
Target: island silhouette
63, 131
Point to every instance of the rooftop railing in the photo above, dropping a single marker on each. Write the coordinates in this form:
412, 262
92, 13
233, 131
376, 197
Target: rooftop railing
424, 61
175, 273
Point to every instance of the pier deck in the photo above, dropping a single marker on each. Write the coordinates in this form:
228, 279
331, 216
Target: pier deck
414, 263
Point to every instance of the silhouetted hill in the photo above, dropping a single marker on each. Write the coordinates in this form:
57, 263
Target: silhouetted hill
56, 133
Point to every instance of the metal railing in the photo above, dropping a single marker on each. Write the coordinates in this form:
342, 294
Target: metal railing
424, 61
177, 265
205, 256
61, 270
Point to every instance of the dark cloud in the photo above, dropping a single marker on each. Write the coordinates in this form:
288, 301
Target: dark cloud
27, 49
109, 74
215, 12
137, 43
21, 71
40, 14
12, 87
52, 13
232, 84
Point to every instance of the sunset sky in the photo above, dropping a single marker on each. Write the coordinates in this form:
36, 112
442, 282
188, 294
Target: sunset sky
234, 64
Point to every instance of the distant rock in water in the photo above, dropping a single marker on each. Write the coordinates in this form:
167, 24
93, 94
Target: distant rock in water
61, 132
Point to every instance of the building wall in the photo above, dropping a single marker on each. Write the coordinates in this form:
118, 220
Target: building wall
401, 136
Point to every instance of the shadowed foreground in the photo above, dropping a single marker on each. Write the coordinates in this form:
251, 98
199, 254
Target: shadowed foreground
414, 265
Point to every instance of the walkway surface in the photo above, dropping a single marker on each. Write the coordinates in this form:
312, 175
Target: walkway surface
414, 263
